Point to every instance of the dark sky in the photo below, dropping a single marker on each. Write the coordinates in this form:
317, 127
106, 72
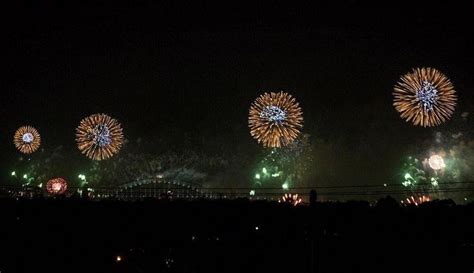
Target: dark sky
168, 70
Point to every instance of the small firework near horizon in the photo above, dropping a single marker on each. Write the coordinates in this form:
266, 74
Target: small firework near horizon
27, 139
56, 186
425, 97
416, 200
291, 199
99, 136
275, 119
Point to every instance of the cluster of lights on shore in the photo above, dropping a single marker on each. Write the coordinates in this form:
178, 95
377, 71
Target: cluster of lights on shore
54, 186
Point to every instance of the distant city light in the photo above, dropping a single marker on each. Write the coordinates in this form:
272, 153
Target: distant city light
257, 176
25, 176
252, 192
256, 227
275, 174
264, 170
13, 173
119, 258
285, 186
169, 262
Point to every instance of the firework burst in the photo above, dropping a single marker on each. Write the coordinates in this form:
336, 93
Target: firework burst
27, 139
291, 199
425, 97
99, 136
413, 200
436, 162
56, 186
275, 119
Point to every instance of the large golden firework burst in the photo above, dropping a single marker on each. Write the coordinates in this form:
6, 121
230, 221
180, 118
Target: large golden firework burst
275, 119
425, 97
27, 139
99, 136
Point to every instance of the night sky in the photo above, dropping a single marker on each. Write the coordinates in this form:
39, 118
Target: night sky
189, 73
